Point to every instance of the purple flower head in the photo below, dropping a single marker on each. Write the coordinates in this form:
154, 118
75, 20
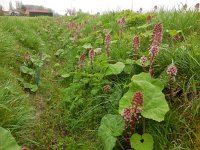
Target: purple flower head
81, 60
107, 39
91, 54
153, 51
106, 88
138, 98
121, 22
149, 18
127, 114
171, 70
143, 60
157, 35
136, 44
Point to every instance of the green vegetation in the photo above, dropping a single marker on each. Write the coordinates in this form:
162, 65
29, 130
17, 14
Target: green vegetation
64, 82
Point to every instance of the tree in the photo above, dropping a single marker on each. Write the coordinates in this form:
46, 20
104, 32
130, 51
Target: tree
1, 10
10, 6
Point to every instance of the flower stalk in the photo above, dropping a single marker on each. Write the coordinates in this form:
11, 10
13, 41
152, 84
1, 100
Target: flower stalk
155, 43
171, 72
135, 45
107, 43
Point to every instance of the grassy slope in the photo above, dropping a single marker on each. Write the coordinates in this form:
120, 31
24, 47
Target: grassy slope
47, 124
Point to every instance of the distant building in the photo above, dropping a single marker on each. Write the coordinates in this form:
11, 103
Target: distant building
35, 13
11, 13
6, 13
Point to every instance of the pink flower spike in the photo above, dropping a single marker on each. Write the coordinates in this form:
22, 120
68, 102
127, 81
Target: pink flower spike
107, 39
149, 18
127, 114
136, 44
171, 70
81, 60
107, 42
91, 54
138, 98
153, 51
157, 35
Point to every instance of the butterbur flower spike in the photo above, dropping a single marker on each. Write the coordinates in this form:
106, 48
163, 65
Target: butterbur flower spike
81, 60
107, 39
135, 45
155, 43
106, 89
153, 51
127, 114
143, 60
157, 35
149, 18
138, 98
91, 54
171, 70
107, 44
121, 24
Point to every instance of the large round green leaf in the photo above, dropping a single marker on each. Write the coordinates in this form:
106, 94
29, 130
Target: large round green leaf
7, 141
111, 127
27, 70
114, 69
144, 142
155, 106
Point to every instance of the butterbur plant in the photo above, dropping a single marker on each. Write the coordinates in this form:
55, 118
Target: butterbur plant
149, 18
106, 89
131, 114
91, 55
171, 72
81, 61
135, 45
107, 43
121, 24
143, 60
155, 43
144, 100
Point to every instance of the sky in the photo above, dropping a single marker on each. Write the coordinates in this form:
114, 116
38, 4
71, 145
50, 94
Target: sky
94, 6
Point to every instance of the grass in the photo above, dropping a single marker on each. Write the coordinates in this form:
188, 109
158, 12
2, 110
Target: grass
67, 110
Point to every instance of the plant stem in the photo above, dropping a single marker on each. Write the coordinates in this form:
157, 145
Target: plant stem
143, 124
120, 144
170, 88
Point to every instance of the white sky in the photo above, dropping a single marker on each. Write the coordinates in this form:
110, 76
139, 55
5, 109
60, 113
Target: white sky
94, 6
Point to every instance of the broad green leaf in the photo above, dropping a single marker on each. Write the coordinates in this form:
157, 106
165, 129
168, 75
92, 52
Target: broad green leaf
45, 57
66, 75
111, 127
59, 52
114, 42
143, 26
144, 142
138, 62
87, 46
7, 141
155, 106
114, 69
32, 87
173, 33
99, 41
37, 62
146, 34
27, 70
